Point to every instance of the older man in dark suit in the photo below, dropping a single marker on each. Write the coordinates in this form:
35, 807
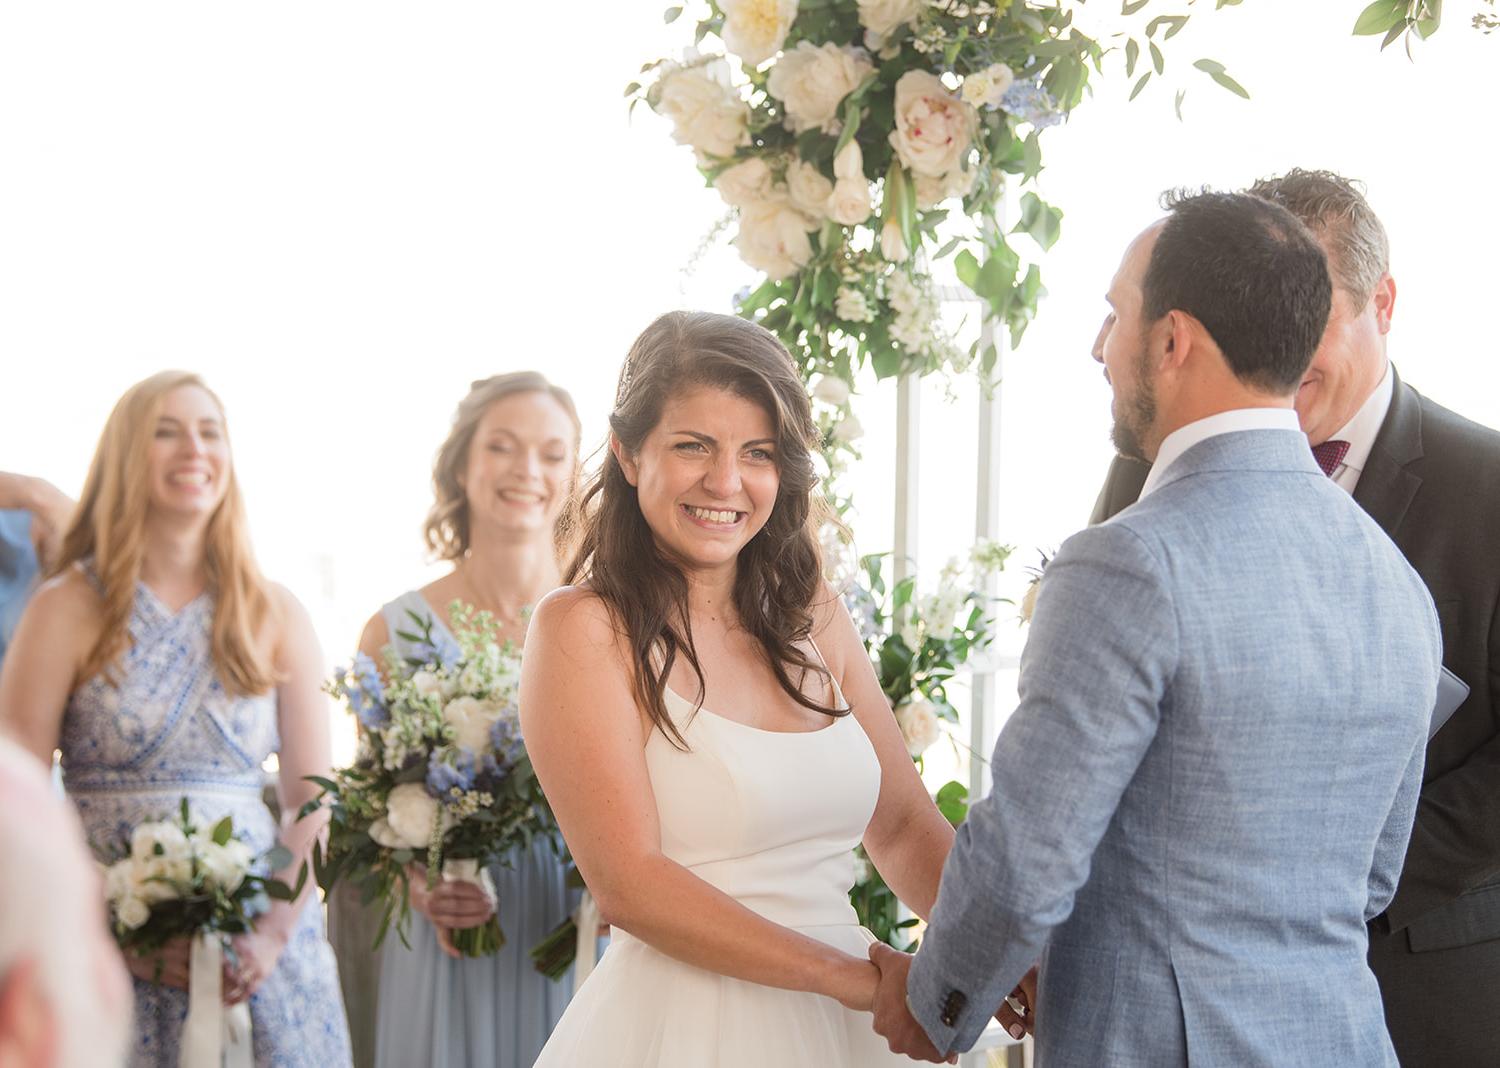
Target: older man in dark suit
1431, 479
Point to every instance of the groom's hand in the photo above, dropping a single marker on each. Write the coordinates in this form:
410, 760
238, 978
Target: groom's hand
893, 1020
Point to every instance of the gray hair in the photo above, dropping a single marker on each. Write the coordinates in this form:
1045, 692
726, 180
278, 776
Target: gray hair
1335, 210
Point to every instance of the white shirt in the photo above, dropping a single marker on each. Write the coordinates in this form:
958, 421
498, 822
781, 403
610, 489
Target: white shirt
1361, 431
1184, 438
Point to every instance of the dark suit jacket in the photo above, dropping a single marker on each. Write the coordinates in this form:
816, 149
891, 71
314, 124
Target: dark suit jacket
1432, 482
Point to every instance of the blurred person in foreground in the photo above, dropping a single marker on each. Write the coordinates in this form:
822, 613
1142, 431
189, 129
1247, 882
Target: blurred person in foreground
64, 992
1207, 787
1431, 479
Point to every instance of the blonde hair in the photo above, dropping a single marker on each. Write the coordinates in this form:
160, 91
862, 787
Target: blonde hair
108, 530
446, 529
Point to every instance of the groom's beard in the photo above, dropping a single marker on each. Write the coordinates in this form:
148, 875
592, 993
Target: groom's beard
1136, 411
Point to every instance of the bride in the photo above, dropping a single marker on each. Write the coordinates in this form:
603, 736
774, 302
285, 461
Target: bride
710, 731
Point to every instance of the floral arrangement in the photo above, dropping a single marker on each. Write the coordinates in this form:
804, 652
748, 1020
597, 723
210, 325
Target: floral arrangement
918, 642
858, 142
441, 777
175, 878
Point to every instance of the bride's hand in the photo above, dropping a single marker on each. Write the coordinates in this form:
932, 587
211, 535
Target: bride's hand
173, 958
1022, 1020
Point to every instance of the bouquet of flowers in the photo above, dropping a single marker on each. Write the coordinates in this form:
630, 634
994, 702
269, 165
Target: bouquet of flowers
441, 776
177, 879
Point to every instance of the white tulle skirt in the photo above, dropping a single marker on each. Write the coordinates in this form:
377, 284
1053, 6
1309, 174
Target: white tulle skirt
643, 1009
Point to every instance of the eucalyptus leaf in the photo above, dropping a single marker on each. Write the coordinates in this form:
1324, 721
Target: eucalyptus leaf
1180, 94
1380, 17
1158, 61
670, 15
1132, 54
1132, 6
1229, 83
1139, 85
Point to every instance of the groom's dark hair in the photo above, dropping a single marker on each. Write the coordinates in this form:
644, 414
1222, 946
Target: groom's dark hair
1251, 273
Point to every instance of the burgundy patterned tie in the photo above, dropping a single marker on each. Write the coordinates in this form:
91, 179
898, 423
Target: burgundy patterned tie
1329, 455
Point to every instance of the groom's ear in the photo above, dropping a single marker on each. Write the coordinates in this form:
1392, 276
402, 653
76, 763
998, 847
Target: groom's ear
626, 461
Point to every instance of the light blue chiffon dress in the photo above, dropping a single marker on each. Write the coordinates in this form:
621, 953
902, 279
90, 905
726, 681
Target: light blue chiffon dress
485, 1012
169, 730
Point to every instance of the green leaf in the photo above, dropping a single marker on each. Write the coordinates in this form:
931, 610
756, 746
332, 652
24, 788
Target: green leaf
1132, 6
1229, 83
1174, 23
1140, 85
223, 830
670, 15
1158, 61
1428, 23
1180, 94
953, 801
1041, 221
1132, 53
1379, 17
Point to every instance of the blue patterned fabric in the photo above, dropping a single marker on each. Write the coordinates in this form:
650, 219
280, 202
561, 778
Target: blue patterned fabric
170, 730
490, 1012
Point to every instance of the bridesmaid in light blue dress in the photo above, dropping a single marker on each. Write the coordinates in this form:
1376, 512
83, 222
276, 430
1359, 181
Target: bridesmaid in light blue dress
165, 666
503, 481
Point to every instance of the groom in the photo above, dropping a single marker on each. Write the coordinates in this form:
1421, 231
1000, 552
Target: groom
1207, 787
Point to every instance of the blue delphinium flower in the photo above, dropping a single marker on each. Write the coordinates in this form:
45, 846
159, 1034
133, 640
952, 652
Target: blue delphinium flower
443, 779
365, 693
1029, 102
505, 738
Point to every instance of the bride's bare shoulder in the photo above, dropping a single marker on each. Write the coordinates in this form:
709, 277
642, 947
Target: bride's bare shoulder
574, 616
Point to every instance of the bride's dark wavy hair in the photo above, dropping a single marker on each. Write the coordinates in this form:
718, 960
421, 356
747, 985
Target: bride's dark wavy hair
780, 570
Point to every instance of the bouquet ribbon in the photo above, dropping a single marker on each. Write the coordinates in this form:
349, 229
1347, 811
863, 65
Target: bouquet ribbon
213, 1035
586, 919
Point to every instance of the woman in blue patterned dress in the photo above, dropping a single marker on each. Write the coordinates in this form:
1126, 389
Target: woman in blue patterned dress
165, 666
502, 483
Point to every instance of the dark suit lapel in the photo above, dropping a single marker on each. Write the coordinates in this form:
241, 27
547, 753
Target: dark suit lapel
1386, 488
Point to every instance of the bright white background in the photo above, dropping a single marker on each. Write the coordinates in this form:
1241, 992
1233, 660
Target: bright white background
342, 213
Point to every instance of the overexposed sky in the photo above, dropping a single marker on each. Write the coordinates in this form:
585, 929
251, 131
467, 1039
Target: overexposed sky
341, 213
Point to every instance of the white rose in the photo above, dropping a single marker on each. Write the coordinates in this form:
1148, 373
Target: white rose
919, 724
773, 237
225, 865
745, 182
986, 87
849, 428
153, 878
706, 111
427, 684
849, 204
383, 835
146, 837
812, 81
850, 162
831, 389
931, 191
471, 719
933, 127
893, 242
755, 29
808, 189
410, 813
132, 912
883, 16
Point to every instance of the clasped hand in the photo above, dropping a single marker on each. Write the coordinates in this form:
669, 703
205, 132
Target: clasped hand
895, 1023
449, 905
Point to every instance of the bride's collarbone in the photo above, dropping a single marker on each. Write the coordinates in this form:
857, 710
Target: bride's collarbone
750, 694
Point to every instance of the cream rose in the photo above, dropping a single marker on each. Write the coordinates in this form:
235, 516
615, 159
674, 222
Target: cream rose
745, 182
812, 81
471, 719
883, 16
755, 29
933, 127
930, 192
132, 912
773, 237
831, 389
706, 112
985, 88
849, 204
849, 428
427, 684
808, 189
919, 724
410, 812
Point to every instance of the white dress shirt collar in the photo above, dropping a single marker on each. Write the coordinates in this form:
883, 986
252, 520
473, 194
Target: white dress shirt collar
1184, 438
1361, 432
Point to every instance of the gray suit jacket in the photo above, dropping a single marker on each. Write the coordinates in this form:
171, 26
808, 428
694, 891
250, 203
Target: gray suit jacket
1207, 787
1432, 482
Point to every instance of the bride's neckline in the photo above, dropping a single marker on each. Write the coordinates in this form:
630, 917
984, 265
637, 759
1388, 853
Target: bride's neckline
688, 707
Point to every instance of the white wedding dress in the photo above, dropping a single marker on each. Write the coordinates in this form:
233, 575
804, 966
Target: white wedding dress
770, 818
